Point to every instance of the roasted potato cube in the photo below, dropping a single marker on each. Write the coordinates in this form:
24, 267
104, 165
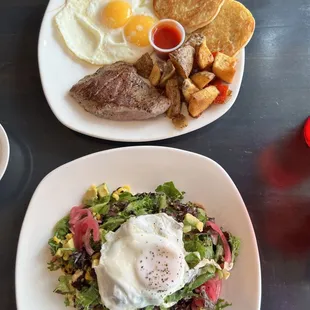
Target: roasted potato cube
173, 93
224, 67
144, 65
204, 57
168, 73
196, 39
183, 60
188, 88
201, 100
202, 79
179, 121
155, 75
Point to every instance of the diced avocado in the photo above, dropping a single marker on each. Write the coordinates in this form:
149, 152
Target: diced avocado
90, 195
69, 244
187, 228
193, 222
59, 253
103, 190
199, 226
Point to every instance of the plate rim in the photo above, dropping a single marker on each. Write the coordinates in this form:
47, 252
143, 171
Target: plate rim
5, 151
97, 135
121, 149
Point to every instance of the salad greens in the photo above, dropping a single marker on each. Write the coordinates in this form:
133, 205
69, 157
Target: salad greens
78, 283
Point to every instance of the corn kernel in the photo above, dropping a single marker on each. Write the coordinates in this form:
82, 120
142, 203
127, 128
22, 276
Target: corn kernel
57, 240
95, 263
96, 256
98, 217
88, 277
115, 196
69, 236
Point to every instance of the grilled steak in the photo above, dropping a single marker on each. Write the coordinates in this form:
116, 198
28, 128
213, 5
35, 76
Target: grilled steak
117, 92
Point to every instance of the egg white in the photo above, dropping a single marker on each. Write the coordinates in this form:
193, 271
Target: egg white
141, 245
90, 40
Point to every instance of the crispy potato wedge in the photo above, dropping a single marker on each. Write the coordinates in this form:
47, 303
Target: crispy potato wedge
202, 79
188, 88
155, 75
201, 100
204, 57
168, 73
179, 121
224, 67
173, 93
144, 65
183, 60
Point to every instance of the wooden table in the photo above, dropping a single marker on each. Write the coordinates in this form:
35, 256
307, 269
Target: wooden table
254, 141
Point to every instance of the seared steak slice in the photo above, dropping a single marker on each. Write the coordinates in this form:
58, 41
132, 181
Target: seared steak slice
117, 92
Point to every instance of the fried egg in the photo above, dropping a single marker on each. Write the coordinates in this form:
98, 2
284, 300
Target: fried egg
105, 31
142, 263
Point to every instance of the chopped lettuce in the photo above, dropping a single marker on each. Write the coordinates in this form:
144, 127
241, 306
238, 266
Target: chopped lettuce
170, 190
64, 285
221, 304
192, 259
188, 290
87, 298
234, 243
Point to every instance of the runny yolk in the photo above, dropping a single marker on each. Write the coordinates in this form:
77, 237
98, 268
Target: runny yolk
137, 30
116, 14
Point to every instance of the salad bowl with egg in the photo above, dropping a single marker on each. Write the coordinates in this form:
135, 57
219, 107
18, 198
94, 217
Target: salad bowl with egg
121, 251
100, 241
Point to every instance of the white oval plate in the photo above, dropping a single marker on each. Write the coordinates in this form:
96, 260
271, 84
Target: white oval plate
4, 151
60, 70
143, 168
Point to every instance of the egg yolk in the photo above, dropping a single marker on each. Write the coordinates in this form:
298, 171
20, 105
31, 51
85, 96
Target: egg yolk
137, 30
116, 14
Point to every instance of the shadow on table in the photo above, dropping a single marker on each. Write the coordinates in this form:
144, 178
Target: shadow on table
285, 167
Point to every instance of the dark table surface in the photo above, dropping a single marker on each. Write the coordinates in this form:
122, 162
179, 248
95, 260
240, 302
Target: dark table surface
257, 141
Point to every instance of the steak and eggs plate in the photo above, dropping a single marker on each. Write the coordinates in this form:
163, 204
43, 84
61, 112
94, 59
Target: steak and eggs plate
182, 52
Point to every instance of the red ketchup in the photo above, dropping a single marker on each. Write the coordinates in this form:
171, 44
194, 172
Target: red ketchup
166, 36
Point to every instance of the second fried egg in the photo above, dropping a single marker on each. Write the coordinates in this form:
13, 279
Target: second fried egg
105, 31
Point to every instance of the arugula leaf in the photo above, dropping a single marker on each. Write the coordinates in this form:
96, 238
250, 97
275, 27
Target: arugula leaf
170, 190
87, 298
54, 246
195, 245
203, 278
192, 259
219, 252
64, 285
62, 227
126, 196
207, 241
101, 208
235, 244
221, 304
162, 202
141, 206
113, 223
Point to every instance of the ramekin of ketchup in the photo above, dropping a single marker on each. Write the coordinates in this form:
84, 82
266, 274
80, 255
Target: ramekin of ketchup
166, 36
